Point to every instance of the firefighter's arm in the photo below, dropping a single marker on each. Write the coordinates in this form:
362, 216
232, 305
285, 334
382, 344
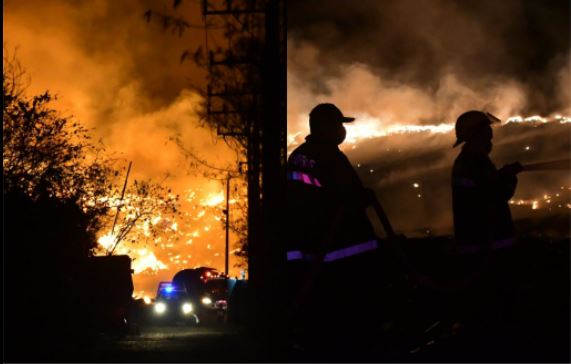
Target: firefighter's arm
501, 184
508, 176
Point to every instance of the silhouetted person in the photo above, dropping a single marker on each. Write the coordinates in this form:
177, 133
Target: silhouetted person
331, 243
480, 192
483, 225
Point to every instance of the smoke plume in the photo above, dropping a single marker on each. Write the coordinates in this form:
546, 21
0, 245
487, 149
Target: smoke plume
427, 61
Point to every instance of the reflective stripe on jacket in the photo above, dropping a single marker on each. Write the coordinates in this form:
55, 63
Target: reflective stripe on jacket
336, 254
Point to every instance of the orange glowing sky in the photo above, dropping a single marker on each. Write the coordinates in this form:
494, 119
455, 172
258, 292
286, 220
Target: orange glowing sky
121, 76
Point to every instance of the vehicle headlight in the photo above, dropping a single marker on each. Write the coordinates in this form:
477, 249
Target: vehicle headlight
206, 301
160, 308
187, 308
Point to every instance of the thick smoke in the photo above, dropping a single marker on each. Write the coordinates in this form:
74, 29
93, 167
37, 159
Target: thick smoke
122, 76
427, 61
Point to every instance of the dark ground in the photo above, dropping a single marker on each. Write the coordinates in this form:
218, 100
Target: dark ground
165, 343
422, 331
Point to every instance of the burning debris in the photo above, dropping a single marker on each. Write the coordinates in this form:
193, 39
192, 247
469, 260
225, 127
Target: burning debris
548, 201
195, 237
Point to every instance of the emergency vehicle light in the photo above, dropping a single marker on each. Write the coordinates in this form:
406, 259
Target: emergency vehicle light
187, 308
160, 308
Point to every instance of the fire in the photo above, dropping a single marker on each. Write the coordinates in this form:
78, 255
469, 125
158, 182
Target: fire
530, 119
539, 119
107, 241
164, 245
146, 260
367, 127
213, 199
533, 203
562, 119
546, 201
143, 296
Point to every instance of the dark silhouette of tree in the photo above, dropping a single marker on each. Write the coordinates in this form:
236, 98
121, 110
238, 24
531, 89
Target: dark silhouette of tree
46, 155
59, 192
49, 156
143, 202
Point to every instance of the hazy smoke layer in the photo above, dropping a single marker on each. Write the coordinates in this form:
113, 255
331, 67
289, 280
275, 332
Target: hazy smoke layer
426, 61
122, 76
411, 175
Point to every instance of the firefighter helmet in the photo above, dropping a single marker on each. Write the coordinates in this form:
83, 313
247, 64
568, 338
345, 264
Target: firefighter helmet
325, 114
470, 122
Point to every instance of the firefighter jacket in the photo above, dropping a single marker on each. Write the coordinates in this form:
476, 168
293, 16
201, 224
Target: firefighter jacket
321, 185
480, 195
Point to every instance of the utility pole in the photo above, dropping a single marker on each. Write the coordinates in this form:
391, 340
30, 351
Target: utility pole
246, 100
274, 149
227, 213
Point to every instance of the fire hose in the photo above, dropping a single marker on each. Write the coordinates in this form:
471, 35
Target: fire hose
394, 243
558, 165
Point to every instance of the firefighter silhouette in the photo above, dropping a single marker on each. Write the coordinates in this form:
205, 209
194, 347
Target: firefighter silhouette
483, 226
480, 192
331, 242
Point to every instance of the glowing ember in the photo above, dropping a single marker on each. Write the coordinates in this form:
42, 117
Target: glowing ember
533, 203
